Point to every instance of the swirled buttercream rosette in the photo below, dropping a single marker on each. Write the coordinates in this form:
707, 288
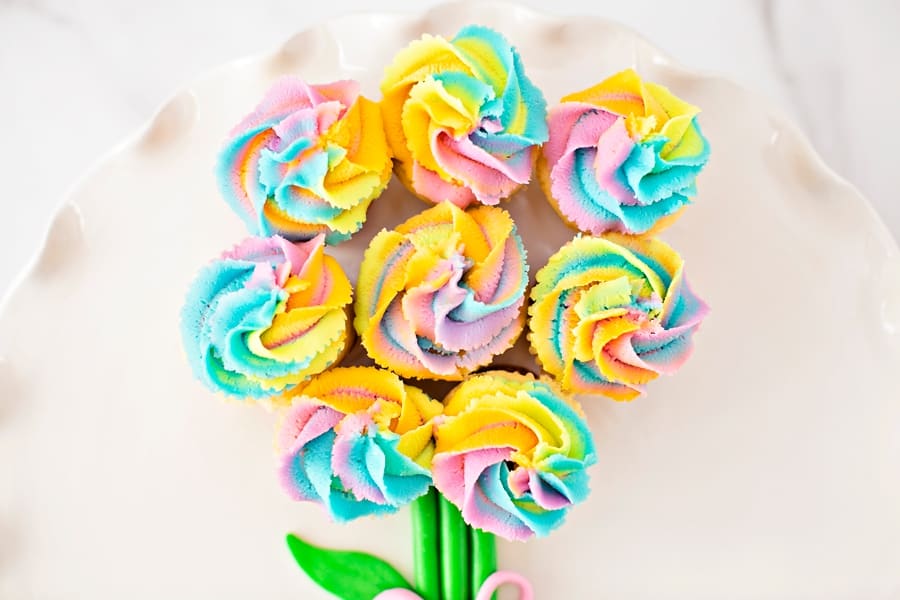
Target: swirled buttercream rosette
310, 159
443, 293
358, 441
511, 452
265, 316
622, 156
609, 315
463, 120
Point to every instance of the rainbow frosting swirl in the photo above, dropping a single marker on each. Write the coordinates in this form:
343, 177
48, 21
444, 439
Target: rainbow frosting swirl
462, 118
610, 314
309, 160
358, 441
511, 452
266, 316
443, 293
622, 156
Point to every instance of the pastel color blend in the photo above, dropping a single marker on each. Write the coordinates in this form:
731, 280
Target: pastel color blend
611, 314
462, 118
511, 453
358, 441
310, 159
265, 316
442, 294
623, 156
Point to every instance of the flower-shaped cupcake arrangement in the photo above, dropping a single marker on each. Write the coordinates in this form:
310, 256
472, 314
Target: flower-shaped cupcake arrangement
442, 294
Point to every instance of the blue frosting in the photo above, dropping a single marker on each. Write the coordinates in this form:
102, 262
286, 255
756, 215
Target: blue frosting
375, 461
565, 474
502, 101
218, 314
660, 187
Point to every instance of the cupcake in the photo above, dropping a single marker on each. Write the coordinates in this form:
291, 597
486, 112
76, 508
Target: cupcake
462, 119
309, 160
443, 293
512, 452
357, 441
265, 316
609, 315
623, 156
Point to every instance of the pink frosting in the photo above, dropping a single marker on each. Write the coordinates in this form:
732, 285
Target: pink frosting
603, 136
489, 177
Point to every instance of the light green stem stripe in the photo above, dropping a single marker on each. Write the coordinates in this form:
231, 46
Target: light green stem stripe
425, 546
454, 553
483, 547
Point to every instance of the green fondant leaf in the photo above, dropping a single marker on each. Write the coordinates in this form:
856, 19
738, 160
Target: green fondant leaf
347, 575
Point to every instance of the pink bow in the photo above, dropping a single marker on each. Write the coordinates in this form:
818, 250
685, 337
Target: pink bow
490, 585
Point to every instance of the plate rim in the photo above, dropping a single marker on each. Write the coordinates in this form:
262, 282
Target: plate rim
787, 125
874, 226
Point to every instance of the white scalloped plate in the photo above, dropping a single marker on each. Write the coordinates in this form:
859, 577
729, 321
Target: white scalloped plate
768, 468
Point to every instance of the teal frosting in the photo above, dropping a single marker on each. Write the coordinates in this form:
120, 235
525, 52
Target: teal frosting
658, 183
231, 298
501, 105
559, 476
351, 468
218, 311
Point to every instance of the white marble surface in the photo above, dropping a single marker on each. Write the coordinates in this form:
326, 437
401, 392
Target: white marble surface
78, 76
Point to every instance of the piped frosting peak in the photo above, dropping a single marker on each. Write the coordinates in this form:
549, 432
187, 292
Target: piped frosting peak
358, 441
610, 314
442, 294
512, 453
622, 156
265, 316
309, 159
462, 118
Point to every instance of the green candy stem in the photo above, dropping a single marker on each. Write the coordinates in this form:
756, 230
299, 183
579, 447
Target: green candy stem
454, 553
484, 558
425, 545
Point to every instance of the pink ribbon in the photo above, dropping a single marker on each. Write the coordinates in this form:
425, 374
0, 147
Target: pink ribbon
490, 585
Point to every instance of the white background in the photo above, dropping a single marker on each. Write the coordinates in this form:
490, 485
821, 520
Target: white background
77, 76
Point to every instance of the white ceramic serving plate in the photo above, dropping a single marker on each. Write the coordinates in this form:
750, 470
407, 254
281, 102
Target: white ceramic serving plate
768, 468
